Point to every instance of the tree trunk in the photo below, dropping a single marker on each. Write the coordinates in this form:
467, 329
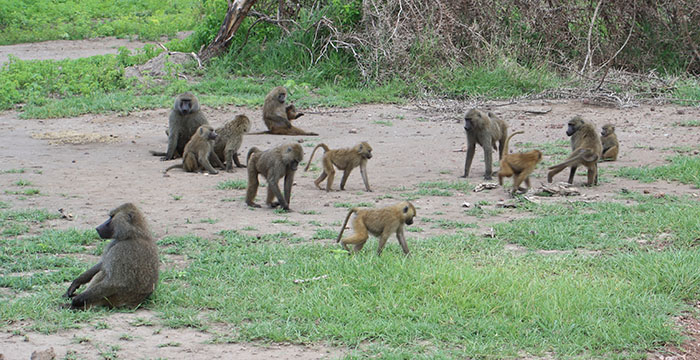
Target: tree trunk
237, 11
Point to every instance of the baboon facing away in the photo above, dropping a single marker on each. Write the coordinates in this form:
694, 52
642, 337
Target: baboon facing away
609, 142
519, 165
586, 147
127, 273
276, 114
488, 131
273, 164
199, 152
229, 140
344, 159
379, 222
185, 118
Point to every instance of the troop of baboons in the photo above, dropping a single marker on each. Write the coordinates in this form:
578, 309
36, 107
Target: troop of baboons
127, 273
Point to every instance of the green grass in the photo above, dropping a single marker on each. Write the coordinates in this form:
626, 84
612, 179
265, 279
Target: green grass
13, 171
688, 123
31, 21
682, 168
232, 185
351, 205
461, 186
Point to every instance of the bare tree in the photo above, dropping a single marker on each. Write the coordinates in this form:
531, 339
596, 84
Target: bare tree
237, 11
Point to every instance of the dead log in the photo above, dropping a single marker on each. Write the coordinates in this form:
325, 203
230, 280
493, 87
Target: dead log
237, 11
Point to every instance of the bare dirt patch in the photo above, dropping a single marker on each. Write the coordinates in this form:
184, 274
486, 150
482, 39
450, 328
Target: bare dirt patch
67, 49
411, 145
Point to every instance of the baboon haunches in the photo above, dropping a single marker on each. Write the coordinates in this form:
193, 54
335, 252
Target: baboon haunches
273, 164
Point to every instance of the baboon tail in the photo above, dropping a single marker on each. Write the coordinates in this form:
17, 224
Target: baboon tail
252, 151
578, 156
353, 210
176, 166
325, 148
505, 146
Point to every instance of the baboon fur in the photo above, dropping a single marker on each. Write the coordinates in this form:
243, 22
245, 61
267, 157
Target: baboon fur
292, 113
586, 147
276, 115
273, 164
229, 139
609, 142
184, 120
379, 222
487, 130
519, 165
344, 159
127, 273
199, 152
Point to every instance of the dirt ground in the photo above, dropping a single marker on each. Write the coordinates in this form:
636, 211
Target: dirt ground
88, 165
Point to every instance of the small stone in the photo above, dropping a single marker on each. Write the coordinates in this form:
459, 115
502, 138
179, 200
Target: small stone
353, 131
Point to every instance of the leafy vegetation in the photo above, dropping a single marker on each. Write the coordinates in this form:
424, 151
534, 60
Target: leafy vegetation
685, 169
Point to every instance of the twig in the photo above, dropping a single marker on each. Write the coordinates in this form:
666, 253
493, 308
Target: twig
629, 34
590, 31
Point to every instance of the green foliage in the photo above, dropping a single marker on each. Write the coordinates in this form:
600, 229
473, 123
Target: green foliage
31, 21
232, 185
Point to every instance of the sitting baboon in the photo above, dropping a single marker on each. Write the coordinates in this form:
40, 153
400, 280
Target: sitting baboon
608, 140
276, 114
229, 140
379, 222
586, 147
185, 118
344, 159
127, 273
488, 131
199, 152
273, 164
519, 165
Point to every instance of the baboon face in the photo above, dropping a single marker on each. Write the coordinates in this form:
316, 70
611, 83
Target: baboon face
365, 150
207, 132
574, 125
293, 156
408, 212
281, 95
607, 130
186, 103
124, 214
472, 118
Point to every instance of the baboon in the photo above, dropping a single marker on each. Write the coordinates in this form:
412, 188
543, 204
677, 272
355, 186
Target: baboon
488, 131
292, 113
185, 118
273, 164
344, 159
608, 140
229, 139
586, 150
519, 165
199, 152
128, 270
380, 223
276, 114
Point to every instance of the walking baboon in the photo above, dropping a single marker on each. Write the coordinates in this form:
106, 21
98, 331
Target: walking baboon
128, 270
229, 140
273, 164
185, 118
199, 152
586, 147
292, 113
276, 114
379, 222
519, 165
608, 140
488, 131
344, 159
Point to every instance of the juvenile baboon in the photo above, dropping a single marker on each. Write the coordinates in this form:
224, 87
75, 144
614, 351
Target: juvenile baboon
292, 113
519, 165
586, 147
488, 131
128, 270
380, 223
199, 152
344, 159
609, 142
185, 118
276, 114
229, 139
273, 164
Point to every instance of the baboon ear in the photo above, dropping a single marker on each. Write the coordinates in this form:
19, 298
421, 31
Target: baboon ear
201, 131
130, 215
405, 209
289, 149
360, 147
